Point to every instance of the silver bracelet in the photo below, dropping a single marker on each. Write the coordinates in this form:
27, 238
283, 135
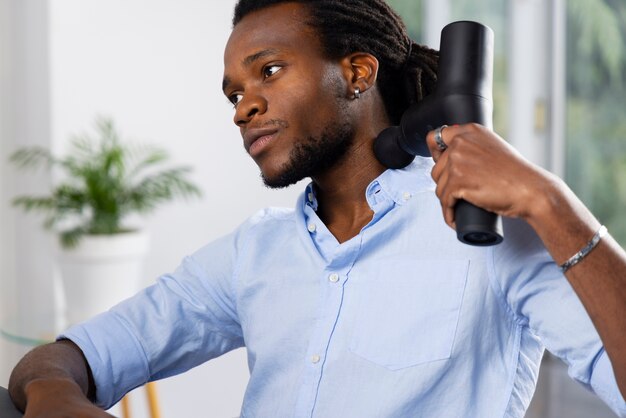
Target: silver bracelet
586, 250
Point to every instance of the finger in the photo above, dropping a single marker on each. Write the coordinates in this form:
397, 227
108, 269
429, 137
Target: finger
448, 137
446, 199
435, 150
441, 181
441, 166
441, 175
449, 213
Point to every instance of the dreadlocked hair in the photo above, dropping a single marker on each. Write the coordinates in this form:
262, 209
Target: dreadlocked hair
407, 71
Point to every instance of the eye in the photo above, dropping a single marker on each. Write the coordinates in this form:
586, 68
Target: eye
234, 99
270, 70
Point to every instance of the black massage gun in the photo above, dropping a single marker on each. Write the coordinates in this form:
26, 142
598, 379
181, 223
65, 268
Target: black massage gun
462, 95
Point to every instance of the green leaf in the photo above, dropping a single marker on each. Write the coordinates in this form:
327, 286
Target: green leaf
71, 238
32, 157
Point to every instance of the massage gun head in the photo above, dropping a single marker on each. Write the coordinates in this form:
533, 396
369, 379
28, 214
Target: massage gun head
389, 151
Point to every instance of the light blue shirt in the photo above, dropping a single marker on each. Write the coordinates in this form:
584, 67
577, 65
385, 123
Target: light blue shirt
400, 321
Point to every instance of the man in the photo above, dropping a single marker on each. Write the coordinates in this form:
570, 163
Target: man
360, 302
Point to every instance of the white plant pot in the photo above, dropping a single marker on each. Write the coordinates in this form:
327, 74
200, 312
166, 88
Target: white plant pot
100, 272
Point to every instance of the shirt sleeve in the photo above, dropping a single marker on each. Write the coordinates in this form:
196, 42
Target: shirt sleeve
185, 319
542, 300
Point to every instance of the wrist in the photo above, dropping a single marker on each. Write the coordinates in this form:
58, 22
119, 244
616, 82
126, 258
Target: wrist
544, 199
562, 221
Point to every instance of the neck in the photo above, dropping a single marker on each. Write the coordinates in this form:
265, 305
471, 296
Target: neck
340, 191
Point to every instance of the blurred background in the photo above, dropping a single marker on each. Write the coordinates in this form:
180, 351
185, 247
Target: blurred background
155, 67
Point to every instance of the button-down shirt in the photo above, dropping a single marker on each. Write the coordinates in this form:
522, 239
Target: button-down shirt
402, 320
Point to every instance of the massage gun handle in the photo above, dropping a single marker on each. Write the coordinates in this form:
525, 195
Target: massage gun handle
463, 95
474, 225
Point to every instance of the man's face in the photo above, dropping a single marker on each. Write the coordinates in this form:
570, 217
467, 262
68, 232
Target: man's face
290, 101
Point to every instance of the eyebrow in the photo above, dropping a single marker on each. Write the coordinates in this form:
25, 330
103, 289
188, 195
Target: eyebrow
249, 60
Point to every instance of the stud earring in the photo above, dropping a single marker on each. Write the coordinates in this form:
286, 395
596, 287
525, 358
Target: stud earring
357, 93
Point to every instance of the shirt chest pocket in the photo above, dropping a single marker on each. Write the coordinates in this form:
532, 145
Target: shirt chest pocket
408, 314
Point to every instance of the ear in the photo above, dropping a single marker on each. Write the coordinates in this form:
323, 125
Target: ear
360, 70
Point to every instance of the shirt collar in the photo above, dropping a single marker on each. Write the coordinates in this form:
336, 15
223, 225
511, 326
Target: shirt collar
397, 185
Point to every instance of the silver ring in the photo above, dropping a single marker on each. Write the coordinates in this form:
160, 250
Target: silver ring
439, 140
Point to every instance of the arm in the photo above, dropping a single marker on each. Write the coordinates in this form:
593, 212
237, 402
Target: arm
483, 169
565, 226
54, 379
183, 320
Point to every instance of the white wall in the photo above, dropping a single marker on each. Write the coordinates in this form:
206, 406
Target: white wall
5, 36
24, 119
155, 66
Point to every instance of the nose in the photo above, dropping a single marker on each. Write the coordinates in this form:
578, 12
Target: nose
250, 105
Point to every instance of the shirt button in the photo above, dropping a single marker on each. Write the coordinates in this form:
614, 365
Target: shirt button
310, 197
334, 277
315, 359
406, 196
311, 227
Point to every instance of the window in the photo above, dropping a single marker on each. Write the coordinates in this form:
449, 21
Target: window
596, 109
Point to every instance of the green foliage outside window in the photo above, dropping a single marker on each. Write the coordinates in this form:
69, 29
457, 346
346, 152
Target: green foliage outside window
412, 14
596, 108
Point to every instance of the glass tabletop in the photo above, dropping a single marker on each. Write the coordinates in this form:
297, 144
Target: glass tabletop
26, 331
22, 340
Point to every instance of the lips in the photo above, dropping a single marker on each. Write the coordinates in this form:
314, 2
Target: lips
254, 140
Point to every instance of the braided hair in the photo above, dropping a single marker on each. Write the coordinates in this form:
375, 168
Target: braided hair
407, 71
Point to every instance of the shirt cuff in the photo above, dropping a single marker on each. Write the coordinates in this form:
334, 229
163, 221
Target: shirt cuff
117, 361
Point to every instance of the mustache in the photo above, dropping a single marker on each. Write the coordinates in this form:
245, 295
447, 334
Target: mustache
279, 123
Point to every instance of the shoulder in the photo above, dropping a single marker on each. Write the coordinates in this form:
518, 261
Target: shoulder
271, 214
521, 243
522, 254
524, 272
268, 223
272, 220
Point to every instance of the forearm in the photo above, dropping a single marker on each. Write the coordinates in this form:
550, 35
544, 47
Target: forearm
565, 226
56, 366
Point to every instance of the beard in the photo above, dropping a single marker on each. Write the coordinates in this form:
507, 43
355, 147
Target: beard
314, 155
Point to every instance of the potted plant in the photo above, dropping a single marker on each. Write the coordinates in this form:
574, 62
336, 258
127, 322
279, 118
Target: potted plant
103, 182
